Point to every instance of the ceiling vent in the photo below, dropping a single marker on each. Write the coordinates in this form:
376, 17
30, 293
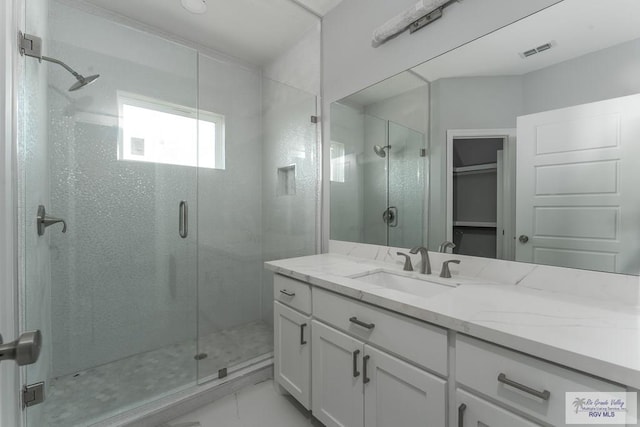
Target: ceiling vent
541, 48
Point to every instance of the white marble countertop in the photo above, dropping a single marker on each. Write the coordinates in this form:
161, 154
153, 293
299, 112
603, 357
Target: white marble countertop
587, 334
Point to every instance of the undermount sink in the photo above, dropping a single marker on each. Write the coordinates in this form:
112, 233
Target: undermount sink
410, 285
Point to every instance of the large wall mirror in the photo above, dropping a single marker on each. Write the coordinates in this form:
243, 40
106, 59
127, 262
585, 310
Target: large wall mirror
521, 145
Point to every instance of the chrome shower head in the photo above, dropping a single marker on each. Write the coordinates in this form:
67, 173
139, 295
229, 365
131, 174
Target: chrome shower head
83, 81
379, 150
31, 45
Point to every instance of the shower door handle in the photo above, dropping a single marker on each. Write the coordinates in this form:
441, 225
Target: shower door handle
25, 350
183, 219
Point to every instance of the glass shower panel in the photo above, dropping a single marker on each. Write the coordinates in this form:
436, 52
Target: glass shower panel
289, 180
115, 295
406, 186
375, 185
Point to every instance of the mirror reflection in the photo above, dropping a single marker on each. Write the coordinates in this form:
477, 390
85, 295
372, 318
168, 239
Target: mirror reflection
530, 137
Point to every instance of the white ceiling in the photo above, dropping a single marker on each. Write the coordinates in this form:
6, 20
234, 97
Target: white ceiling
577, 27
256, 31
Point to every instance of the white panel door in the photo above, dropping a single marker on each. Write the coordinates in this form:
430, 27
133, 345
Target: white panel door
577, 178
476, 412
292, 365
399, 394
337, 377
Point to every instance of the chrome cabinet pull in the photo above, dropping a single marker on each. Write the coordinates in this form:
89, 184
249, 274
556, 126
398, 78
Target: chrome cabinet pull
356, 374
302, 341
183, 220
544, 395
287, 293
365, 379
461, 410
355, 320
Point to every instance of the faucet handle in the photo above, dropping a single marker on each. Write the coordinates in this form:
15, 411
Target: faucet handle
445, 272
407, 261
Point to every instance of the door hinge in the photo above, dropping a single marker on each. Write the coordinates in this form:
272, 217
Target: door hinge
314, 119
29, 45
32, 394
222, 373
423, 152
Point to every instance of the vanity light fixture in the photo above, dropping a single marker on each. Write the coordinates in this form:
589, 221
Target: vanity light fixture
195, 6
419, 16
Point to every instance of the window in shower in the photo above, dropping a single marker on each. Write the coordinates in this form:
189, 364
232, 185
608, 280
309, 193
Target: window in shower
156, 131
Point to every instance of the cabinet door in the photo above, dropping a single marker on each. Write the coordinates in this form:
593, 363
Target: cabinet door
292, 365
399, 394
474, 412
337, 377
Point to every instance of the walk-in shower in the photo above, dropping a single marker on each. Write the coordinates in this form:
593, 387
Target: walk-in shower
132, 307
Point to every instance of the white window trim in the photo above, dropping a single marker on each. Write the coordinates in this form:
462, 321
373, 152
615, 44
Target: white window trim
141, 101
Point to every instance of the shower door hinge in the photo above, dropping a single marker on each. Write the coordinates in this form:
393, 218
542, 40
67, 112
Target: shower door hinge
29, 45
423, 152
222, 373
314, 119
32, 394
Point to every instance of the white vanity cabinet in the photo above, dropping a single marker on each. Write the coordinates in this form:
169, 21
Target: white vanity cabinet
519, 382
355, 384
292, 338
357, 381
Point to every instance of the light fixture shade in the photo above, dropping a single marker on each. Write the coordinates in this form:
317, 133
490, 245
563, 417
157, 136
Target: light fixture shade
194, 6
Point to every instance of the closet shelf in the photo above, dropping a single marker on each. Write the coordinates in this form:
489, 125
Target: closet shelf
479, 224
487, 167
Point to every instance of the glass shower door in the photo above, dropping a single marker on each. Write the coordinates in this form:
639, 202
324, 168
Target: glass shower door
406, 182
115, 292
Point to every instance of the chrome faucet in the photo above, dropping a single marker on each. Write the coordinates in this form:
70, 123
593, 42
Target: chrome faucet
425, 267
445, 272
445, 245
407, 261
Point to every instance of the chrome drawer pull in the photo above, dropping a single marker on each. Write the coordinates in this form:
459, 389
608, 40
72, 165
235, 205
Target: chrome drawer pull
287, 293
544, 395
355, 320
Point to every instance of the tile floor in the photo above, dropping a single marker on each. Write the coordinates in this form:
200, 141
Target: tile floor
85, 397
259, 405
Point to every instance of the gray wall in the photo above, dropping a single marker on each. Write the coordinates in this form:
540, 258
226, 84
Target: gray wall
600, 75
495, 102
464, 103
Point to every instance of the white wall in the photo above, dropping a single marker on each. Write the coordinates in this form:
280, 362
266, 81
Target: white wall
409, 109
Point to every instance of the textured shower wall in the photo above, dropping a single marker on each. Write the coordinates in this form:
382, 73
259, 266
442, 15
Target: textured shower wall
123, 281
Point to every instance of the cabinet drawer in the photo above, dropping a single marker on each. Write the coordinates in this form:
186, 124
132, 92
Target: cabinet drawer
292, 292
419, 342
473, 411
479, 365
